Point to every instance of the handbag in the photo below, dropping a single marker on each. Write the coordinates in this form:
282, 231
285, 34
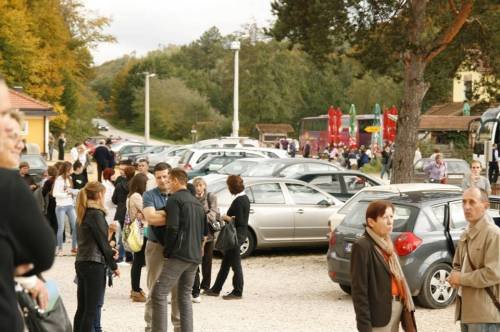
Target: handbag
133, 234
54, 319
227, 239
408, 321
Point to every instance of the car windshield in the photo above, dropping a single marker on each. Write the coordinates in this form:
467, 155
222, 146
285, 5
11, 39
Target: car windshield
264, 169
402, 214
364, 195
33, 161
237, 167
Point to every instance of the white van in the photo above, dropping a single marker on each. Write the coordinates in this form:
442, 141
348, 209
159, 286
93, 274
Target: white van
228, 142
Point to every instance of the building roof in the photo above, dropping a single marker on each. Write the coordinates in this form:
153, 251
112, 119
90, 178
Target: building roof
275, 128
448, 109
445, 123
27, 104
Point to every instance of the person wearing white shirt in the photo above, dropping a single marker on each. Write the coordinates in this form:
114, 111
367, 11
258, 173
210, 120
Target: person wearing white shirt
74, 153
143, 167
64, 195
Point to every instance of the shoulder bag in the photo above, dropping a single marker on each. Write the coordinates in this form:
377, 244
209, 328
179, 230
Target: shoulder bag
227, 239
133, 233
487, 289
215, 225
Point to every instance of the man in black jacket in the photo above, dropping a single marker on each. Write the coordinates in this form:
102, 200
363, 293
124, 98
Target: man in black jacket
103, 158
184, 237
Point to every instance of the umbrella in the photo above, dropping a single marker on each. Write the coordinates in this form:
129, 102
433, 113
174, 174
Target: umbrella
376, 136
466, 109
352, 121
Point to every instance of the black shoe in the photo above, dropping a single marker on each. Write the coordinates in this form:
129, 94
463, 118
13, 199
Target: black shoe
210, 292
232, 296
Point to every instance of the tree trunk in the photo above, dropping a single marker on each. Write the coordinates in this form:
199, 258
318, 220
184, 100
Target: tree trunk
409, 118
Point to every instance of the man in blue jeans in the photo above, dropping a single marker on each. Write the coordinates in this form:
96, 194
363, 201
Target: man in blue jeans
184, 236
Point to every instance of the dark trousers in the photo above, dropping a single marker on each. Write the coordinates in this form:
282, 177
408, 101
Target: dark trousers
493, 172
97, 320
232, 260
137, 264
206, 270
100, 168
91, 282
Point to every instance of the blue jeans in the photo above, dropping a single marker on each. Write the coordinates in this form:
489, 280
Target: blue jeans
480, 327
61, 212
97, 320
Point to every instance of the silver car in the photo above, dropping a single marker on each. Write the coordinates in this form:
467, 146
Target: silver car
283, 212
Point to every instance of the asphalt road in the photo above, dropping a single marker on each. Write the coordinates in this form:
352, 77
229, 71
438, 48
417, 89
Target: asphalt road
123, 134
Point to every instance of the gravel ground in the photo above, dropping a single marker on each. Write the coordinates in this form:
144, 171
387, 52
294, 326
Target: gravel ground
284, 291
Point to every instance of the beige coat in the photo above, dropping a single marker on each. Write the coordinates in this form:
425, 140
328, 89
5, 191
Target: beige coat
484, 247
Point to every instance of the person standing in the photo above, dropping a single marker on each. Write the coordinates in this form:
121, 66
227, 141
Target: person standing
378, 286
78, 179
209, 202
64, 194
51, 145
437, 171
306, 153
84, 159
74, 153
475, 179
47, 192
102, 156
293, 149
493, 165
386, 162
61, 143
154, 202
24, 172
238, 213
119, 198
93, 256
476, 267
143, 167
137, 187
184, 237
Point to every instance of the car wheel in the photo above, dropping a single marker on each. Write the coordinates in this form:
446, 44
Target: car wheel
345, 288
436, 292
248, 246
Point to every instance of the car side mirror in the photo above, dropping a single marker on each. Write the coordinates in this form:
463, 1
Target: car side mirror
324, 203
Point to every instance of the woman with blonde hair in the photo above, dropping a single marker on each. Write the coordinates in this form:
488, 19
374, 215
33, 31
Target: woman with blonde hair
94, 254
475, 179
64, 194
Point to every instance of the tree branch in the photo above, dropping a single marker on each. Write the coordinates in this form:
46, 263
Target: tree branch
453, 7
447, 37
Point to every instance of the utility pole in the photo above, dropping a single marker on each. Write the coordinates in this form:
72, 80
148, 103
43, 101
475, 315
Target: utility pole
235, 46
146, 107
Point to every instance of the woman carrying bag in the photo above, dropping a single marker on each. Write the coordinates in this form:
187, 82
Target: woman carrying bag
93, 256
209, 202
238, 214
380, 293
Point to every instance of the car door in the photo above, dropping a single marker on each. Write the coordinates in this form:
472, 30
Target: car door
457, 220
311, 217
270, 216
329, 183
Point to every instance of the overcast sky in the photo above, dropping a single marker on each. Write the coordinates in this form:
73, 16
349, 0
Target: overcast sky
143, 25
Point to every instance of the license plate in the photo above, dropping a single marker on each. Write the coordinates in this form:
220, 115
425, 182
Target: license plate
348, 247
455, 176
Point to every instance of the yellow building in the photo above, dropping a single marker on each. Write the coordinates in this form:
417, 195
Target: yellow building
37, 116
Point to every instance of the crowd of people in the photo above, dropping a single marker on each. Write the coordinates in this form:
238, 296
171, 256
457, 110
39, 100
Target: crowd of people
177, 221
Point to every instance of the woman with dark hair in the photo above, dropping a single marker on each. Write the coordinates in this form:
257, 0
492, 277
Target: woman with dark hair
238, 213
119, 198
378, 285
137, 187
93, 256
64, 193
47, 192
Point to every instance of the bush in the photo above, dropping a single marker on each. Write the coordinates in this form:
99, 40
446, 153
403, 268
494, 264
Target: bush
374, 166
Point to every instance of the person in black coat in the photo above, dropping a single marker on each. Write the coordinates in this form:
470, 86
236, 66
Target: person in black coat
238, 213
103, 158
119, 198
61, 143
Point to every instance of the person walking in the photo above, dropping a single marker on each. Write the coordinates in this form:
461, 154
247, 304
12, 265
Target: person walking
93, 256
493, 165
378, 286
437, 171
102, 157
27, 242
238, 213
47, 192
51, 145
386, 162
61, 143
475, 179
137, 187
476, 267
209, 202
154, 202
184, 236
64, 195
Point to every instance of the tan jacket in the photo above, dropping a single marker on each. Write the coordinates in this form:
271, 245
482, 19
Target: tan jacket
483, 241
134, 205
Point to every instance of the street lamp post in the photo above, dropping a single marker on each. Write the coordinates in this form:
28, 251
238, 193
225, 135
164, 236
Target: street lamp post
235, 45
146, 107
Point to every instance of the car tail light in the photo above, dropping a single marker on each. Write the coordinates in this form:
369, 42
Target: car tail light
332, 239
406, 243
188, 167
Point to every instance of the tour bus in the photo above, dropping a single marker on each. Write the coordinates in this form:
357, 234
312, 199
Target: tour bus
314, 129
488, 132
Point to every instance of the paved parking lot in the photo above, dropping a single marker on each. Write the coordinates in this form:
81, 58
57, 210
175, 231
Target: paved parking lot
285, 290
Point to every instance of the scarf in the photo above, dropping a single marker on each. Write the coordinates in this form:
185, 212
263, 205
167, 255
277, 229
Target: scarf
386, 246
94, 205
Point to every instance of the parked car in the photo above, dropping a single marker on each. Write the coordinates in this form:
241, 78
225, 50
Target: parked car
427, 226
130, 150
227, 142
193, 156
171, 156
341, 184
283, 212
38, 166
457, 170
149, 152
102, 127
270, 152
290, 167
117, 146
381, 192
214, 163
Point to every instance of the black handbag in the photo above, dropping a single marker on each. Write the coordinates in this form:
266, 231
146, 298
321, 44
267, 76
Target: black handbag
36, 320
227, 239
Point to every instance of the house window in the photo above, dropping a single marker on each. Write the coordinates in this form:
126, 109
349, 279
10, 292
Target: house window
468, 87
24, 128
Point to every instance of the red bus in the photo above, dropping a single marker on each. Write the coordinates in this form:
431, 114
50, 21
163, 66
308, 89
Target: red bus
315, 130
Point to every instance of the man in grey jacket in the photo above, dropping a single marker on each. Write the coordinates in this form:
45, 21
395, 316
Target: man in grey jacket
476, 267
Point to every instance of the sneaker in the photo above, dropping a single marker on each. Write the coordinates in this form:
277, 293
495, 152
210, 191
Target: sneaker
210, 292
196, 299
231, 296
137, 296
